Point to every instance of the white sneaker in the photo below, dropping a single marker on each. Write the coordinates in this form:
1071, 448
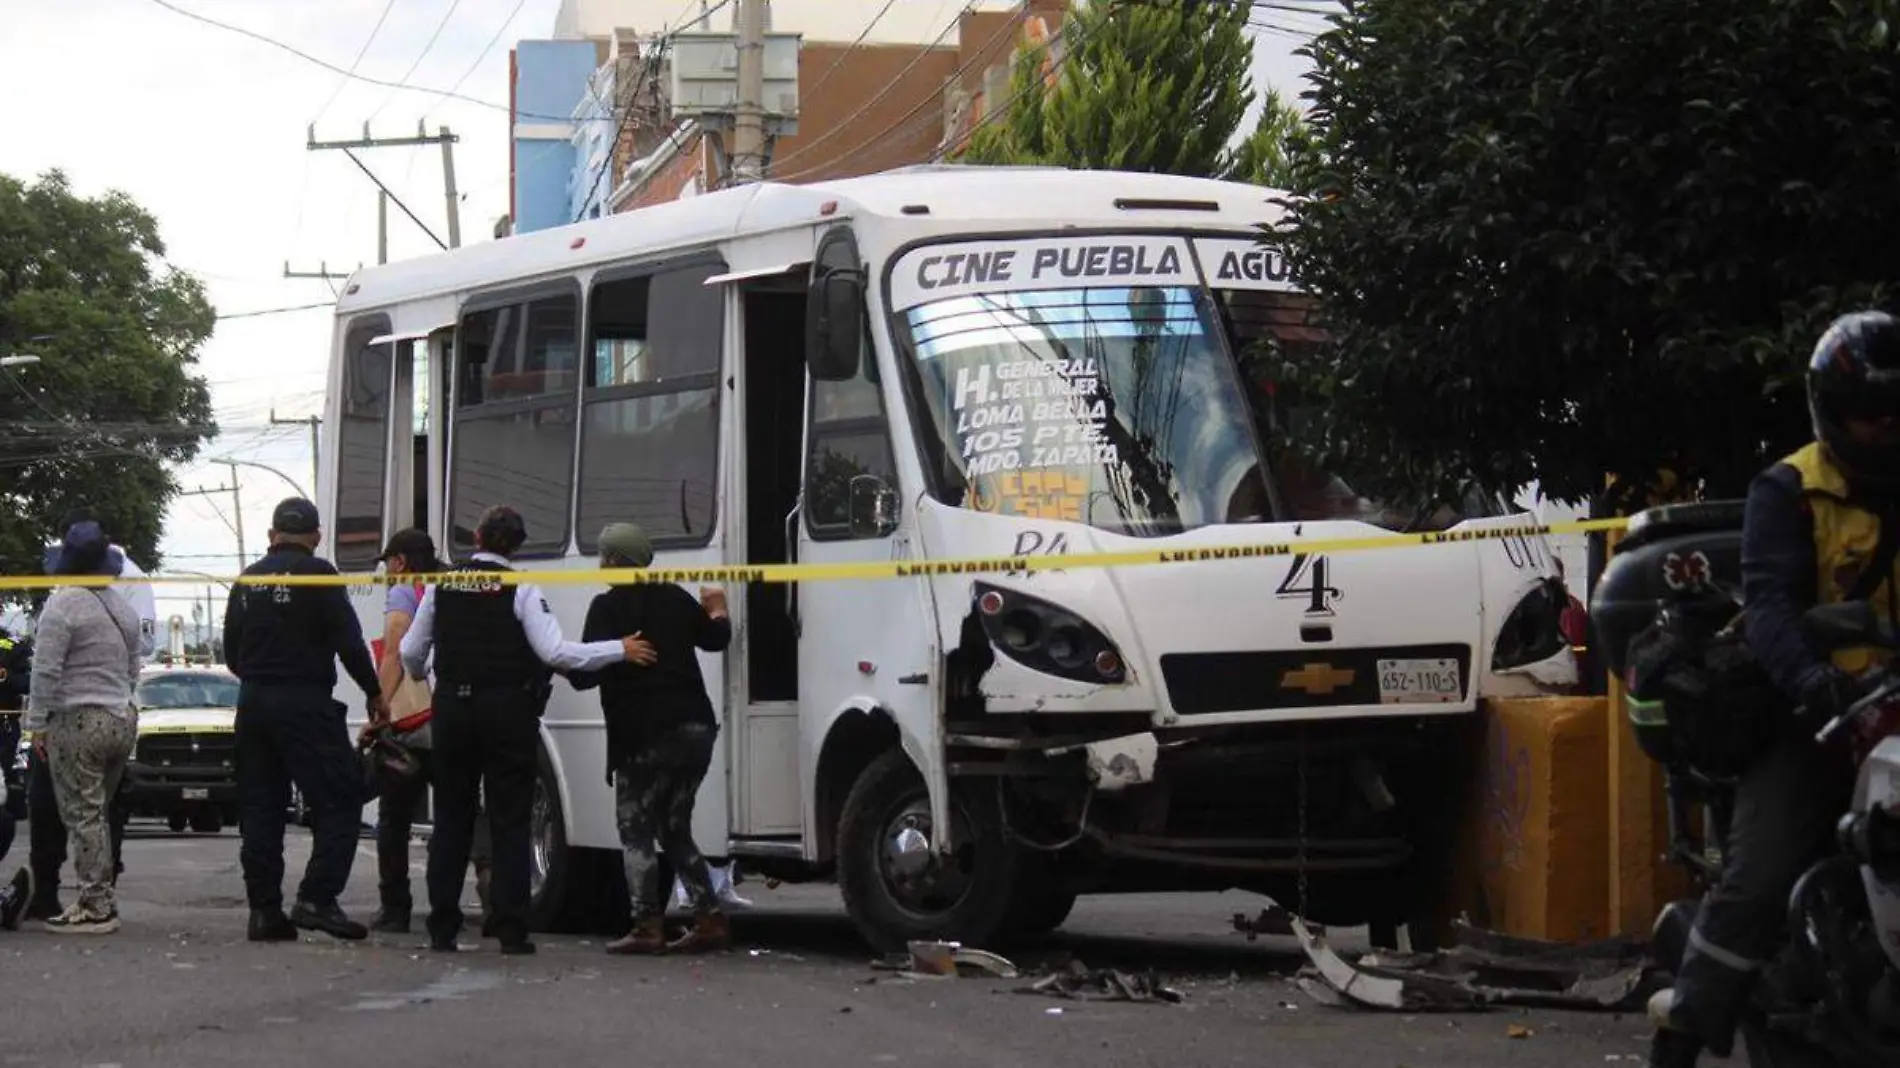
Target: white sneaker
729, 899
79, 919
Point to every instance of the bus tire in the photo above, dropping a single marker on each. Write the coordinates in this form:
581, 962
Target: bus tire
1040, 912
551, 859
896, 897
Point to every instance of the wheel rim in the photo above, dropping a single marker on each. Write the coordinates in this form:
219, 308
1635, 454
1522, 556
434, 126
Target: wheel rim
918, 880
541, 838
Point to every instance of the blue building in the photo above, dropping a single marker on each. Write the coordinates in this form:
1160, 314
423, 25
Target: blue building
548, 91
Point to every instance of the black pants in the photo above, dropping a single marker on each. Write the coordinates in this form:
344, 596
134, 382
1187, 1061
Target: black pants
486, 742
47, 831
400, 800
288, 734
15, 805
1785, 811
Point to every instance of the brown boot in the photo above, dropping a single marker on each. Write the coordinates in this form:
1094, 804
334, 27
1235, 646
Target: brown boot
648, 938
711, 933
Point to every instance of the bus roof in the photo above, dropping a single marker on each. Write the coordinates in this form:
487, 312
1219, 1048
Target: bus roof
1007, 197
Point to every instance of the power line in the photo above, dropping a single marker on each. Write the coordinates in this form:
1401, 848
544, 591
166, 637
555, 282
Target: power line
1001, 111
489, 47
357, 62
276, 311
352, 76
649, 68
905, 120
891, 87
424, 54
808, 94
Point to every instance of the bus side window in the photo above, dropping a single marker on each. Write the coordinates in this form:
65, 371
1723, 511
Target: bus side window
650, 417
514, 418
363, 445
850, 437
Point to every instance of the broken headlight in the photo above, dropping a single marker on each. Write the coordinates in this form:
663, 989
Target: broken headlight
1042, 637
1532, 631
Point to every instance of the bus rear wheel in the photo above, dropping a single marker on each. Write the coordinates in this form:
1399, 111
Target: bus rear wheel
897, 887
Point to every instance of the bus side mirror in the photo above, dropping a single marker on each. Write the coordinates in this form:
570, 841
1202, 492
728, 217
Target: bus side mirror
873, 507
834, 330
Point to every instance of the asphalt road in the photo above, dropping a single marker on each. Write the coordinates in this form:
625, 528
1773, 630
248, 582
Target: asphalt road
178, 987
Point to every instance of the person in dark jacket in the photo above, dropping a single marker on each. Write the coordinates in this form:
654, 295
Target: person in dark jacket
16, 671
660, 734
1815, 530
283, 643
496, 645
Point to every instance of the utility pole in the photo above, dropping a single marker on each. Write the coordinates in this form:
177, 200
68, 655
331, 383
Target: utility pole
237, 506
748, 120
315, 422
454, 201
448, 189
323, 273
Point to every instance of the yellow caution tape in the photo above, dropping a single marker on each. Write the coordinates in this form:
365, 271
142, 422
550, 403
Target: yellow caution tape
866, 569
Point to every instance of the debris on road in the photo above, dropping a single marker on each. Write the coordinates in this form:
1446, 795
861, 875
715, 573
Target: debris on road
943, 959
1482, 971
1079, 982
1518, 1031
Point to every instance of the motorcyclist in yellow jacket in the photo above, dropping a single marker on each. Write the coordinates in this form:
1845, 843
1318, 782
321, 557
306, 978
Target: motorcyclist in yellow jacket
1812, 534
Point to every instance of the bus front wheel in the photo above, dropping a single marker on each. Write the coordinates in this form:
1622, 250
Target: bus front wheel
549, 856
897, 887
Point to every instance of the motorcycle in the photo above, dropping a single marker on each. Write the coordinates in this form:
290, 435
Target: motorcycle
1829, 997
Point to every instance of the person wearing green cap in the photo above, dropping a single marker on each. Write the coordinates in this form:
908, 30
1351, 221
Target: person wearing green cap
660, 733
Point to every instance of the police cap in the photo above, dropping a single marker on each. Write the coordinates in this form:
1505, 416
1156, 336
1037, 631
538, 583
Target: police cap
295, 515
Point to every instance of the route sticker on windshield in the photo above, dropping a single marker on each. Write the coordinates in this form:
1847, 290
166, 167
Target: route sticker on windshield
1056, 417
965, 268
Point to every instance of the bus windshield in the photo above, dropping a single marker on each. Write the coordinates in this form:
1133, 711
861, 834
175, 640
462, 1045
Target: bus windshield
1116, 407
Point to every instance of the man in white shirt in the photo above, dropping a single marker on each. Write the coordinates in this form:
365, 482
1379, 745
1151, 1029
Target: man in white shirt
496, 649
48, 850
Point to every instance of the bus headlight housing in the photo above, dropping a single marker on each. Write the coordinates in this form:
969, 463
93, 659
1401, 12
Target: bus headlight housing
1532, 632
1046, 638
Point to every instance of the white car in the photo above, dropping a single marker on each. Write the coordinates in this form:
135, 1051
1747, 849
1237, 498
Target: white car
184, 770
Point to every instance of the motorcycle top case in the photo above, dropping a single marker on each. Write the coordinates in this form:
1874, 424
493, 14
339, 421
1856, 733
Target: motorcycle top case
1678, 551
1666, 614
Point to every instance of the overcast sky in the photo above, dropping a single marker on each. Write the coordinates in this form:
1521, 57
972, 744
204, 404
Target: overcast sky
206, 129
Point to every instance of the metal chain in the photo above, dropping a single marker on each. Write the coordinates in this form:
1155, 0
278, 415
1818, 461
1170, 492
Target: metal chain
1301, 863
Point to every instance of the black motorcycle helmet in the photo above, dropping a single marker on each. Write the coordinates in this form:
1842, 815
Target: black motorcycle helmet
1854, 374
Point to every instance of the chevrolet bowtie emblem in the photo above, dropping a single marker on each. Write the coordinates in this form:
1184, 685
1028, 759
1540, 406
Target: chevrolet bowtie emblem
1318, 680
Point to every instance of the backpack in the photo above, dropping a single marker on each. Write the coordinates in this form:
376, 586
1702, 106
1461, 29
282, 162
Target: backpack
1696, 694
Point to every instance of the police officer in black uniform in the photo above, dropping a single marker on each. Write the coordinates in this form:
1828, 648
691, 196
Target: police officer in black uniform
283, 643
16, 673
496, 649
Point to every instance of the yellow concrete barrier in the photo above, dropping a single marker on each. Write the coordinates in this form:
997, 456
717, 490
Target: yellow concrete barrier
1537, 833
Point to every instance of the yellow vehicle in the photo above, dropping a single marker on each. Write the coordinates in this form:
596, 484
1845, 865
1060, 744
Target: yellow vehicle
184, 770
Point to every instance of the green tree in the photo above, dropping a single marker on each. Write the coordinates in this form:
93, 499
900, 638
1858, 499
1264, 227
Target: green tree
1563, 241
1157, 86
114, 401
